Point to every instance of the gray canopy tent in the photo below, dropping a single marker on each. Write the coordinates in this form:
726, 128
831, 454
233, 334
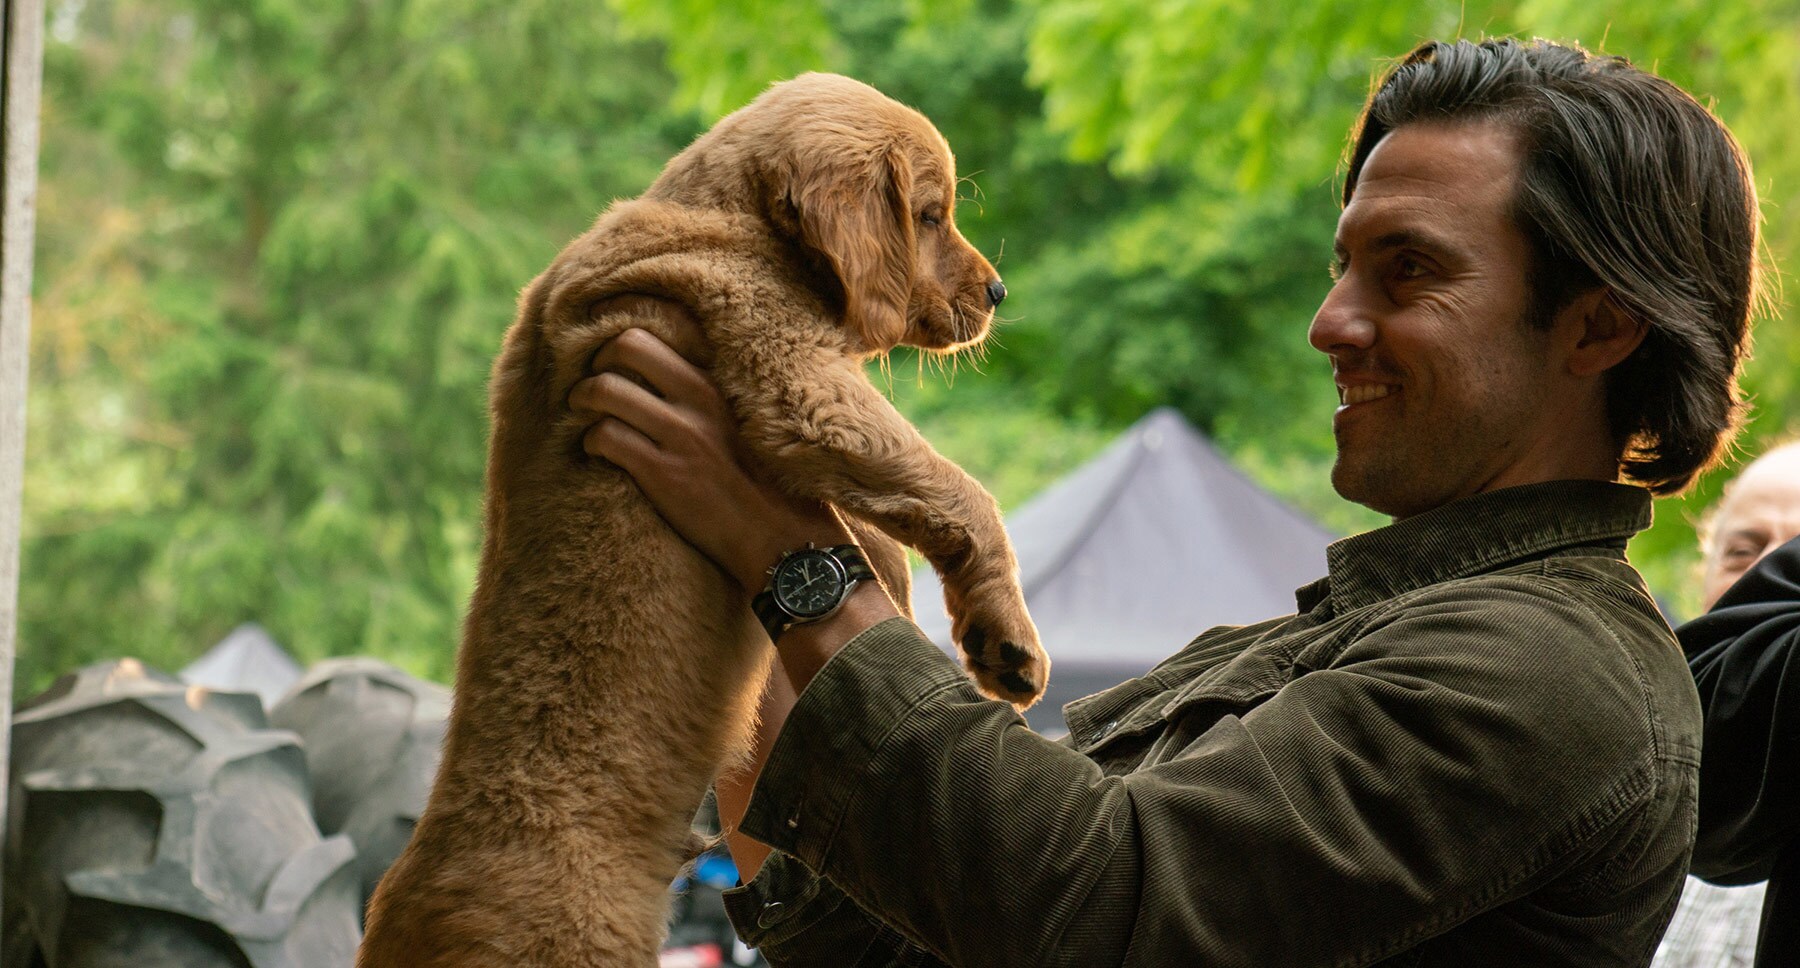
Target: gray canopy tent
246, 660
1129, 557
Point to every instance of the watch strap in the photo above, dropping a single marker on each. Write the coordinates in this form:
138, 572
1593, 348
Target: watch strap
776, 620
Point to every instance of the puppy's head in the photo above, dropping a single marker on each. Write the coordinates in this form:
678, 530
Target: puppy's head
867, 185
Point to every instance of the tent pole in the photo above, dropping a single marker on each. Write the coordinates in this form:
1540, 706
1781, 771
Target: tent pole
22, 27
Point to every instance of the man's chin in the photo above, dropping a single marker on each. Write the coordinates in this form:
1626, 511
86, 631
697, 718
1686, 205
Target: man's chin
1372, 487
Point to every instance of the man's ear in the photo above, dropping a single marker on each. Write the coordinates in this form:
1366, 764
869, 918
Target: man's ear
858, 215
1605, 333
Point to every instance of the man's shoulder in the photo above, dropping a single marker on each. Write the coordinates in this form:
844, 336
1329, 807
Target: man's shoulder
1562, 624
1565, 591
1570, 608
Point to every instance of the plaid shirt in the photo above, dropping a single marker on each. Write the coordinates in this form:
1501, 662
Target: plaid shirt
1713, 927
1476, 744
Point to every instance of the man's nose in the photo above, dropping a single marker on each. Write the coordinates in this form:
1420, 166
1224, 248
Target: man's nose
1341, 322
996, 291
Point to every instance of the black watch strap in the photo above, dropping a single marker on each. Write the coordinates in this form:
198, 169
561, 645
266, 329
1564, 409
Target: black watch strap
776, 620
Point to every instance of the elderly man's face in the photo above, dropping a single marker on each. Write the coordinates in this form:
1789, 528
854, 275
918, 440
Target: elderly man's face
1759, 514
1445, 389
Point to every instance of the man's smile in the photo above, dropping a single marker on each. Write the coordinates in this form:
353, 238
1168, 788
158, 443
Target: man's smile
1353, 394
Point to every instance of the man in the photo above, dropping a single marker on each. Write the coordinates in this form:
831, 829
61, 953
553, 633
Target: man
1743, 653
1758, 512
1715, 927
1475, 743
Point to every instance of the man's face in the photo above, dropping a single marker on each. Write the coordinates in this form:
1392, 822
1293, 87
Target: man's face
1759, 514
1445, 390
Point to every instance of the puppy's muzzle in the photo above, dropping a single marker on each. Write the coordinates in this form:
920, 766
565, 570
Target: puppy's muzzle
996, 292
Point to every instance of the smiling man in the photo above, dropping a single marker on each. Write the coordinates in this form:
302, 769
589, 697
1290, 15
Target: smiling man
1438, 402
1475, 742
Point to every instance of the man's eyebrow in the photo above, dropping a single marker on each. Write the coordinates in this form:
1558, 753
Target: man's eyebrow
1411, 237
1415, 239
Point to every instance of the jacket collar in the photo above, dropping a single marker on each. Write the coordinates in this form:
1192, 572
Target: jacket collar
1475, 535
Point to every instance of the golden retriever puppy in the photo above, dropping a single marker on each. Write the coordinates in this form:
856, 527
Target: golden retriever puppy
608, 670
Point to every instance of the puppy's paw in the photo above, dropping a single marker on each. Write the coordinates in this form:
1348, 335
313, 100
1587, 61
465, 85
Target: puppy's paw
1000, 647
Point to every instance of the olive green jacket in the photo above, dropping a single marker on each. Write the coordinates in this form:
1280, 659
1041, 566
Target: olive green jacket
1476, 744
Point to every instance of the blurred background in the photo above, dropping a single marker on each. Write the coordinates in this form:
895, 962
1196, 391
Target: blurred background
279, 240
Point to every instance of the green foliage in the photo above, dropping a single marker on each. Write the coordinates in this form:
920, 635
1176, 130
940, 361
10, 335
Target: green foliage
726, 53
261, 390
279, 241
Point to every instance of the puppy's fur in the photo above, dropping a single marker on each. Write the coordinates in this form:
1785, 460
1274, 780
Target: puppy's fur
607, 669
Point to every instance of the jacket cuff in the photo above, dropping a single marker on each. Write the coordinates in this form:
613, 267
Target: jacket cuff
781, 901
840, 721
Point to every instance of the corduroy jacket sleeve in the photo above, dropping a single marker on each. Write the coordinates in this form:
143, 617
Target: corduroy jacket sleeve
1455, 756
1745, 656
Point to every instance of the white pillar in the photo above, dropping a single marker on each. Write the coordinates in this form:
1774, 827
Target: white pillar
22, 26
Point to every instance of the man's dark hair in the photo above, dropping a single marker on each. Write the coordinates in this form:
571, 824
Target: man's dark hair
1627, 183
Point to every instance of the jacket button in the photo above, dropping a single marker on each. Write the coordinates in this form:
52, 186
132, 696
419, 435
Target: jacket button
770, 914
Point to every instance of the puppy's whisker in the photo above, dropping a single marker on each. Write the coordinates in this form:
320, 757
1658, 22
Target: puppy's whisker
978, 354
887, 373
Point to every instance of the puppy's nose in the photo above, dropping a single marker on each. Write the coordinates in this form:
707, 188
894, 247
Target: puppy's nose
996, 292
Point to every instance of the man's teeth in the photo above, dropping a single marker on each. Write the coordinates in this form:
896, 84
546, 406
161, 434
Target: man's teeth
1364, 392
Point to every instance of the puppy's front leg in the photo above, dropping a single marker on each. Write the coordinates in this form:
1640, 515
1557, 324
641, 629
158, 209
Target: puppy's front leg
835, 438
888, 560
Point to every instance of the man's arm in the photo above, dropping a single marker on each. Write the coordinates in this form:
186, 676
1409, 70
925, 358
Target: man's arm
733, 787
1429, 776
1745, 656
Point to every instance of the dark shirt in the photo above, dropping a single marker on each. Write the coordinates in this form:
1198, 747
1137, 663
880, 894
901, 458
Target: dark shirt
1475, 744
1745, 656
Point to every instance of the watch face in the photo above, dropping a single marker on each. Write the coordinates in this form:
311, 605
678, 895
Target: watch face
809, 584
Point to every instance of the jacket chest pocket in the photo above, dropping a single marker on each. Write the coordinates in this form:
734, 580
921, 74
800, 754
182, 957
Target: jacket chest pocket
1139, 715
1124, 745
1189, 719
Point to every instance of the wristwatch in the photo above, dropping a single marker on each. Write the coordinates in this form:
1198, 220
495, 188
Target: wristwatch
808, 584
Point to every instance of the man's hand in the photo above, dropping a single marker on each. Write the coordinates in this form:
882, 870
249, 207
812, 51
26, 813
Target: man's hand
663, 421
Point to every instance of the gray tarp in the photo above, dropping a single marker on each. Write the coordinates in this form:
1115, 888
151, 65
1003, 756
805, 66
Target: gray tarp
246, 660
1133, 554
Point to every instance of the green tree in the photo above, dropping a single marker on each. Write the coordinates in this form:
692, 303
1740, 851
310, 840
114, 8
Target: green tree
280, 243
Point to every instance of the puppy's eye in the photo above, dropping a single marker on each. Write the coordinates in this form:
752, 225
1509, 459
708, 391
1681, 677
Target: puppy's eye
930, 218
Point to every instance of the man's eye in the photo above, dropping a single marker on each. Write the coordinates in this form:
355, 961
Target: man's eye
1741, 554
1408, 268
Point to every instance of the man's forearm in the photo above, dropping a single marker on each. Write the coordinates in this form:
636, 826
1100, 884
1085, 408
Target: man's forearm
733, 786
803, 651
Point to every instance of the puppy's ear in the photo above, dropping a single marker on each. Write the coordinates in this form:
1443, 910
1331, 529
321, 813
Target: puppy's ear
858, 214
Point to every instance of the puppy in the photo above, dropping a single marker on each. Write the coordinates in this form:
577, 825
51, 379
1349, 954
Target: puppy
607, 669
